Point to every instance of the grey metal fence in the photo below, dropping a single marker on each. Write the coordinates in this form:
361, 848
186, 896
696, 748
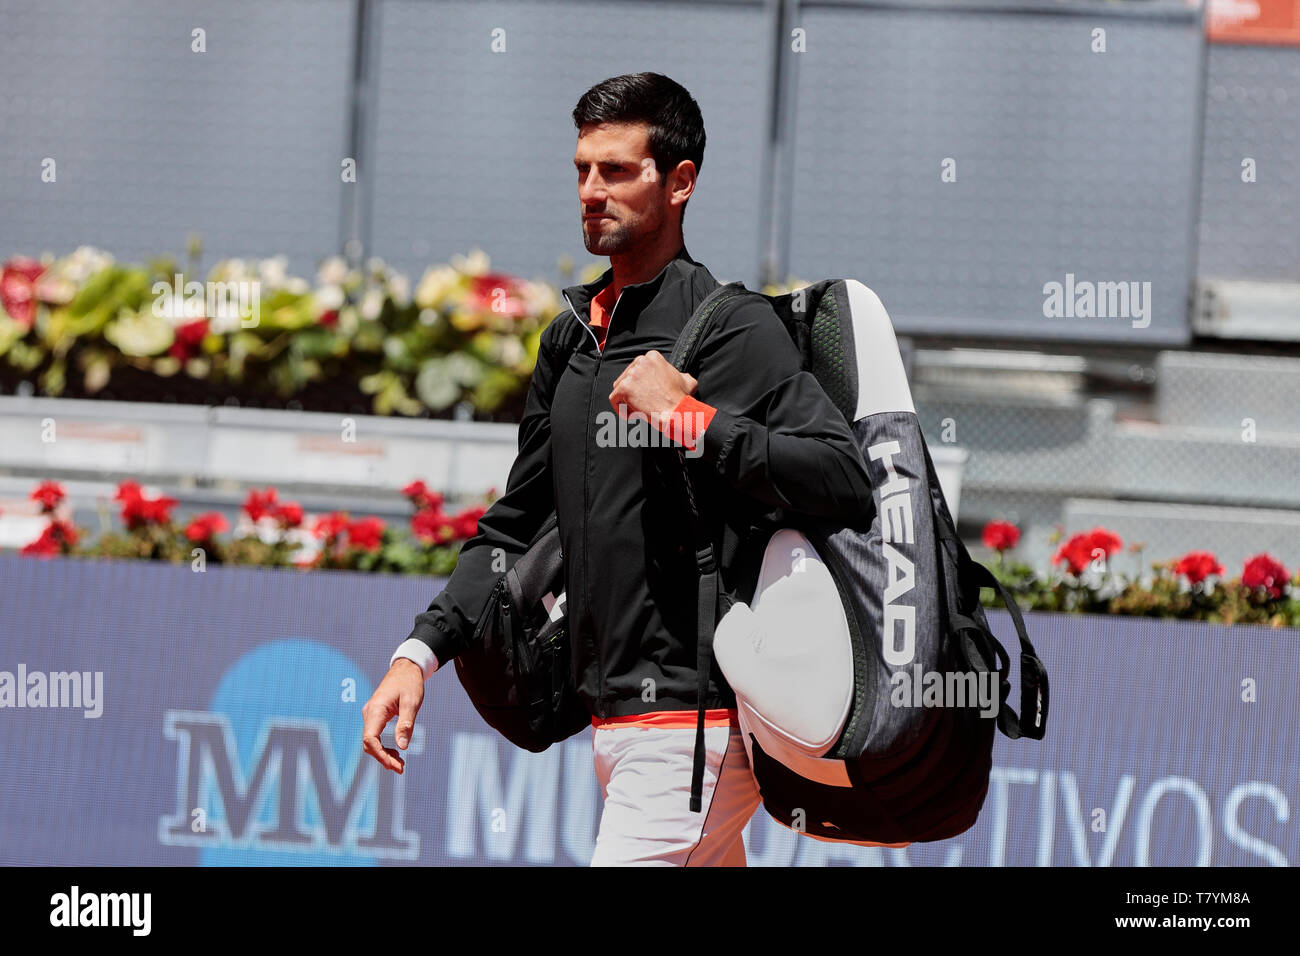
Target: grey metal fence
830, 124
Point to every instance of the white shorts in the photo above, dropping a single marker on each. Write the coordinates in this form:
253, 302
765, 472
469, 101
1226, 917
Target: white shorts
645, 777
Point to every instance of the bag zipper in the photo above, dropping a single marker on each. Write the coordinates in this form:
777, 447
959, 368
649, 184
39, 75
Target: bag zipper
601, 706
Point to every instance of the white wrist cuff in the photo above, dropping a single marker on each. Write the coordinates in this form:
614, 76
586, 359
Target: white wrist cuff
414, 649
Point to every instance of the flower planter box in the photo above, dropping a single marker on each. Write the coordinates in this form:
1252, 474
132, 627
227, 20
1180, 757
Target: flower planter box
220, 445
341, 396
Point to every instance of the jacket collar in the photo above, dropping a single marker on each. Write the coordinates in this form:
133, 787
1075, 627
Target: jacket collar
680, 267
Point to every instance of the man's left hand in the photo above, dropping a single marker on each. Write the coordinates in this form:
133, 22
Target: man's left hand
652, 386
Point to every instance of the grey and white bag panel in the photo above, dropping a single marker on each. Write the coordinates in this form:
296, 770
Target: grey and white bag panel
839, 611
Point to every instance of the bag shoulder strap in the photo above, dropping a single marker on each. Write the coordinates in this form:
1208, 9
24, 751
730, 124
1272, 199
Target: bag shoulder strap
569, 338
568, 342
697, 326
1033, 674
683, 357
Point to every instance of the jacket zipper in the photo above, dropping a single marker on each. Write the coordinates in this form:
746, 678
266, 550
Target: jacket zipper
584, 324
601, 707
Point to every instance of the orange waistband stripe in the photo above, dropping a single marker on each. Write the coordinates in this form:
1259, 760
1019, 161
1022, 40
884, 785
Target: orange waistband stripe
713, 717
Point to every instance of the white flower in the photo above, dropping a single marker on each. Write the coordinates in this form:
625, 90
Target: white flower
371, 304
399, 287
434, 286
475, 264
85, 262
333, 271
271, 271
231, 270
512, 351
329, 297
541, 299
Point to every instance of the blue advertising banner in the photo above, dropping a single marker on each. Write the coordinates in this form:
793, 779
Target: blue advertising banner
153, 714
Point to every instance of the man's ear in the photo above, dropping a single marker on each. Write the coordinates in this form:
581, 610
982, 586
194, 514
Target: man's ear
683, 175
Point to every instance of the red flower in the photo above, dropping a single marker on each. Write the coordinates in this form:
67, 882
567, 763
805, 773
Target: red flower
52, 540
127, 491
499, 293
422, 497
1198, 565
203, 527
137, 510
1264, 571
1083, 547
18, 289
1106, 540
260, 504
466, 523
366, 533
43, 547
430, 524
189, 336
49, 494
1000, 535
65, 530
329, 318
330, 525
1076, 552
288, 514
148, 511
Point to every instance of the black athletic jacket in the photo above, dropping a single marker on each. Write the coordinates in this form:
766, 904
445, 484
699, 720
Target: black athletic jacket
776, 444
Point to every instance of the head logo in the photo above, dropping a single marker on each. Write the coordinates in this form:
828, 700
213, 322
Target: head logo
273, 773
900, 578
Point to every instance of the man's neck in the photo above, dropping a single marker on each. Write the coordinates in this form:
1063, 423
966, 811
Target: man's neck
640, 266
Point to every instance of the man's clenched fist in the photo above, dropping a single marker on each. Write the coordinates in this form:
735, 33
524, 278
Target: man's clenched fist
652, 386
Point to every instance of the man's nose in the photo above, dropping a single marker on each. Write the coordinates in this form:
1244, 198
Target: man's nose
592, 189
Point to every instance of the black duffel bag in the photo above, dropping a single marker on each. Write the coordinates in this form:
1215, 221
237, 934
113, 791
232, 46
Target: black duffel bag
517, 668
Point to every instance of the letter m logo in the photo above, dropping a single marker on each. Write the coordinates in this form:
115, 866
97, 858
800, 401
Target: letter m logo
264, 806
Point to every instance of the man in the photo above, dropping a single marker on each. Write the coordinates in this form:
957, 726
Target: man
762, 438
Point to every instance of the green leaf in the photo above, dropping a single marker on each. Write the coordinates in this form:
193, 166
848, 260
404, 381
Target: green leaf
98, 370
315, 343
54, 378
26, 356
496, 386
242, 346
94, 291
140, 333
10, 332
436, 383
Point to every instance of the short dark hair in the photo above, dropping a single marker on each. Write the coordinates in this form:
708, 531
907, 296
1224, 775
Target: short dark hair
676, 128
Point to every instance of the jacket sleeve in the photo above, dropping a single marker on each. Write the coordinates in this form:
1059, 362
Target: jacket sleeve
511, 522
776, 436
